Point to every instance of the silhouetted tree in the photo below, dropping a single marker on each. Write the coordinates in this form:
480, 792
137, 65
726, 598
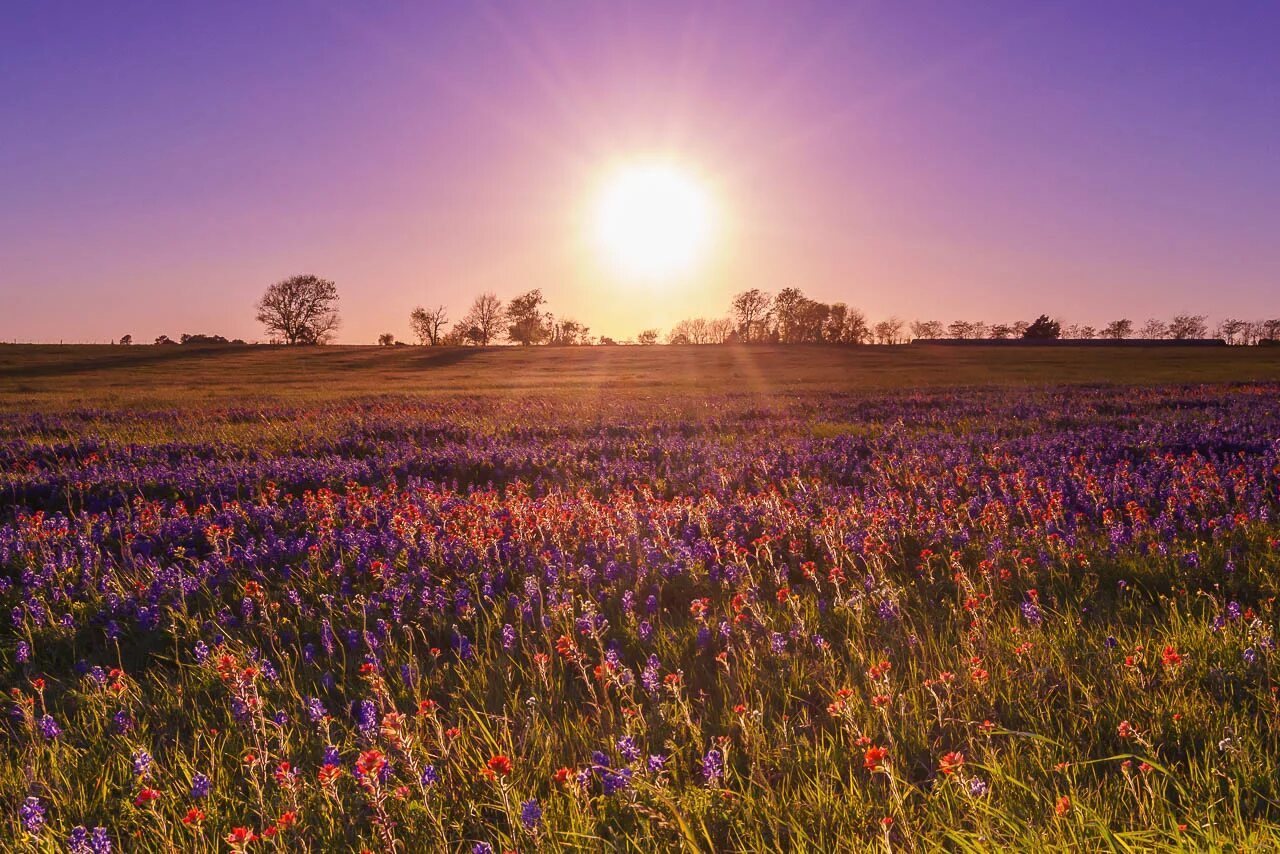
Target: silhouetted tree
926, 329
751, 313
960, 329
888, 331
481, 323
1042, 328
428, 326
1000, 331
165, 340
856, 328
787, 308
1154, 328
1118, 329
1234, 331
300, 310
526, 323
1270, 330
1186, 326
386, 339
648, 336
126, 340
567, 332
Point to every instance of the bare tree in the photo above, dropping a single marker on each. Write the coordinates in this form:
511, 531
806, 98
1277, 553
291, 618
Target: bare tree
926, 329
300, 310
720, 330
960, 329
483, 320
1269, 330
1000, 331
1154, 328
648, 336
1186, 326
1234, 331
889, 331
856, 330
428, 325
1118, 329
751, 312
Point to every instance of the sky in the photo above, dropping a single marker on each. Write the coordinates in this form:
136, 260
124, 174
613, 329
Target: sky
161, 163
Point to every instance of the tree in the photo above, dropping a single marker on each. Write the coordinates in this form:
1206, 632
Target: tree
300, 310
888, 331
428, 325
1186, 326
720, 330
126, 340
1118, 330
1043, 329
960, 329
164, 340
787, 307
481, 323
1234, 331
386, 339
1000, 331
926, 329
648, 336
1154, 329
856, 328
1269, 330
751, 313
568, 332
526, 323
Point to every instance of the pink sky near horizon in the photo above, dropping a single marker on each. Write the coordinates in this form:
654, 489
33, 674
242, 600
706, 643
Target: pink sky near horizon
160, 168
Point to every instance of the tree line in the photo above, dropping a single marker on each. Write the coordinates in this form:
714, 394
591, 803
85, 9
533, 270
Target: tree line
304, 310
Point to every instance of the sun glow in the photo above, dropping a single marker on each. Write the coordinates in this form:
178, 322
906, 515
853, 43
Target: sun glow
652, 220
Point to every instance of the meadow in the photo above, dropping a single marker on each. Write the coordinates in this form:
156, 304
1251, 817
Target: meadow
638, 599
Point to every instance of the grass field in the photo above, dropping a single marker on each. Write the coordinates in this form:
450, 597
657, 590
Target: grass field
638, 599
57, 376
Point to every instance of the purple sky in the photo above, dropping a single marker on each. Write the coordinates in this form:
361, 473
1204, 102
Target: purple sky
161, 163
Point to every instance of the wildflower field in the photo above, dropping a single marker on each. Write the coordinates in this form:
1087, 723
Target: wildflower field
958, 618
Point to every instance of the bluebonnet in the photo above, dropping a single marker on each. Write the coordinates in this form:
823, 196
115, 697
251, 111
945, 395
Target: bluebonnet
32, 814
199, 786
531, 814
713, 767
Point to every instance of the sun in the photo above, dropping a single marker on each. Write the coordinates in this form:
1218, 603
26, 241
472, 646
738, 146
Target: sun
652, 220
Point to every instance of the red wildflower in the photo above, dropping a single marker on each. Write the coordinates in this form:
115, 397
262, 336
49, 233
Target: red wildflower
1170, 657
146, 796
1125, 730
241, 836
193, 816
1063, 806
500, 765
874, 757
951, 762
370, 762
561, 775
